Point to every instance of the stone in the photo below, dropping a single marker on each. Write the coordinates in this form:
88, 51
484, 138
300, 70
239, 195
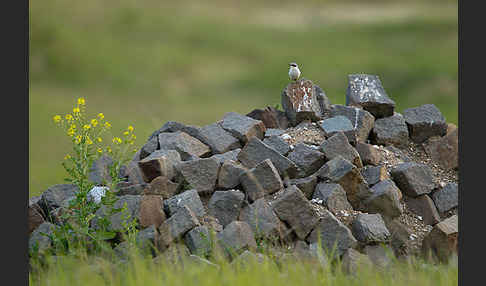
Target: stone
229, 174
219, 140
307, 159
366, 91
446, 198
303, 100
369, 154
271, 117
334, 236
38, 239
162, 186
310, 253
149, 147
400, 237
276, 142
99, 172
126, 188
273, 132
339, 123
151, 211
175, 254
353, 260
200, 174
35, 214
307, 185
159, 163
424, 207
384, 199
145, 238
242, 127
338, 145
189, 198
247, 258
176, 226
370, 228
374, 174
170, 126
133, 210
424, 122
444, 150
262, 219
230, 155
413, 179
198, 240
441, 242
186, 145
361, 119
293, 208
333, 197
226, 205
134, 173
380, 255
255, 151
261, 180
200, 262
390, 130
55, 195
236, 237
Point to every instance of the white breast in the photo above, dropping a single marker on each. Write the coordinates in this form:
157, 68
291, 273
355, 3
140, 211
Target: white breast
294, 73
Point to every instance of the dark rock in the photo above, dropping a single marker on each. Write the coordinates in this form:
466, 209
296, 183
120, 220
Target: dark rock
229, 174
446, 198
126, 188
99, 173
293, 208
151, 211
185, 144
219, 140
174, 254
444, 150
384, 199
55, 195
370, 228
133, 210
441, 242
248, 258
374, 174
35, 213
255, 151
338, 145
274, 132
390, 130
310, 253
277, 143
230, 155
170, 126
307, 185
262, 219
368, 153
366, 91
333, 197
145, 238
189, 198
159, 163
200, 174
149, 147
424, 122
182, 221
361, 119
381, 255
237, 236
38, 240
400, 235
271, 117
135, 174
413, 179
307, 159
226, 205
424, 207
162, 186
198, 240
353, 260
242, 127
336, 124
261, 180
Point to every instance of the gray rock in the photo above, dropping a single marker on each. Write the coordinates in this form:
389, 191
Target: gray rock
133, 209
424, 207
255, 151
273, 132
276, 142
444, 150
334, 236
229, 174
271, 117
99, 173
366, 91
333, 197
145, 238
176, 226
390, 130
189, 198
219, 140
369, 154
170, 126
242, 127
413, 179
237, 236
226, 205
380, 255
159, 163
261, 180
162, 186
55, 195
200, 262
248, 258
200, 174
384, 199
126, 188
353, 260
230, 155
198, 240
149, 147
339, 123
446, 198
441, 241
134, 173
370, 228
307, 159
424, 122
151, 211
338, 145
38, 240
292, 207
185, 144
374, 174
262, 219
35, 213
307, 185
361, 119
174, 254
312, 253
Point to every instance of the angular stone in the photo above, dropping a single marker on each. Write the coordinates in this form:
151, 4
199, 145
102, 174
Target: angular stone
307, 159
145, 238
248, 258
381, 255
226, 205
271, 117
353, 260
35, 213
242, 127
230, 155
261, 180
151, 211
293, 208
200, 174
169, 126
334, 236
189, 198
126, 188
229, 174
255, 151
361, 119
149, 147
370, 228
159, 163
413, 179
274, 132
200, 262
198, 240
133, 209
390, 130
310, 253
55, 195
162, 186
424, 122
219, 140
134, 173
99, 173
336, 124
424, 207
442, 240
333, 197
366, 91
185, 144
444, 150
38, 240
384, 199
369, 154
237, 236
262, 219
338, 145
277, 143
374, 174
174, 254
176, 226
307, 185
400, 237
446, 198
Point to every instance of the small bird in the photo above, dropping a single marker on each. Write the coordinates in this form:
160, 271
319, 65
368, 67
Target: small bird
294, 72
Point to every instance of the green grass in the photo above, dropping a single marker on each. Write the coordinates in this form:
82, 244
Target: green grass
147, 62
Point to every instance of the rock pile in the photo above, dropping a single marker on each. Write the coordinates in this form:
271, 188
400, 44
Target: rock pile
351, 178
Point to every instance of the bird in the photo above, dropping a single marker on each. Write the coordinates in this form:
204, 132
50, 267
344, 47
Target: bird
294, 72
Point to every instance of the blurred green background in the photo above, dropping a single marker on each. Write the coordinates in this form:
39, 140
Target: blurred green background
147, 62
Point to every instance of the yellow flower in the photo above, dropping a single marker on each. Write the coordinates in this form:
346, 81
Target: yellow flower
108, 149
117, 140
134, 137
88, 141
76, 110
57, 118
81, 101
100, 150
94, 122
86, 126
67, 157
69, 117
101, 116
125, 133
135, 150
130, 128
78, 139
70, 132
99, 139
73, 126
107, 124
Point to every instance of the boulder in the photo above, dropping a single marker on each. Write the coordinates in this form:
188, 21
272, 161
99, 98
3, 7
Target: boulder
198, 240
381, 255
35, 214
134, 173
182, 221
242, 127
261, 180
444, 150
151, 211
162, 186
236, 237
307, 185
170, 126
339, 123
55, 195
384, 199
230, 155
338, 145
441, 242
186, 145
229, 174
99, 173
200, 262
333, 197
370, 228
352, 260
132, 209
271, 117
189, 198
247, 258
424, 122
149, 147
424, 207
200, 174
374, 174
413, 179
219, 140
262, 219
274, 132
390, 130
361, 119
446, 198
369, 154
175, 254
278, 143
159, 163
39, 239
226, 205
307, 159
